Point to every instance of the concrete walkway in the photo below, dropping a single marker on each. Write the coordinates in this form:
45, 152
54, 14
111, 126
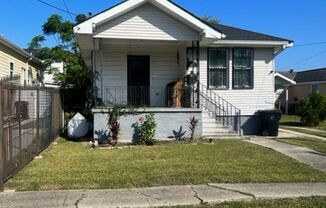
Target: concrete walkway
285, 133
302, 154
159, 196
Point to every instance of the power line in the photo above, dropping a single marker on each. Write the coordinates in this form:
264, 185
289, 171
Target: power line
307, 59
310, 44
55, 7
72, 19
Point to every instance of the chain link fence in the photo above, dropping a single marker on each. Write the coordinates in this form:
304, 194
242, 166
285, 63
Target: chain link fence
30, 119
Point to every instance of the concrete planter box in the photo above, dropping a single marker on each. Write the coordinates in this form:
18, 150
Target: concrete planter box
171, 122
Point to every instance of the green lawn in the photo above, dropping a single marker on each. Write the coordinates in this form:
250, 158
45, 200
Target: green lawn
308, 202
315, 144
294, 121
73, 165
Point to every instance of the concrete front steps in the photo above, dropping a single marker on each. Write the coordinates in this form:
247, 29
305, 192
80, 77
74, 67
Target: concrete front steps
215, 129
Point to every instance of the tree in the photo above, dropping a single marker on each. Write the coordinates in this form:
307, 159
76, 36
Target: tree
76, 75
312, 109
210, 19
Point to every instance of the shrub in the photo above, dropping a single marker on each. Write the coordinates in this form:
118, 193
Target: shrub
147, 129
192, 127
114, 125
312, 109
113, 122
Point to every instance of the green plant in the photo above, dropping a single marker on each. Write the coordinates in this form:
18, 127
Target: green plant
192, 127
113, 122
147, 129
312, 109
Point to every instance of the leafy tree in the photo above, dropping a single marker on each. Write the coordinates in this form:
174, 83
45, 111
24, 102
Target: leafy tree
210, 19
76, 75
312, 109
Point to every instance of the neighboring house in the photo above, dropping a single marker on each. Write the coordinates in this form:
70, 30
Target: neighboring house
300, 84
139, 47
283, 80
48, 75
18, 65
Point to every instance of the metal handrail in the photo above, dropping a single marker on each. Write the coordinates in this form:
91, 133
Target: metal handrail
159, 96
221, 109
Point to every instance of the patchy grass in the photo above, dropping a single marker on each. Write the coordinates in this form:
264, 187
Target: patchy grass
315, 144
73, 165
295, 121
306, 202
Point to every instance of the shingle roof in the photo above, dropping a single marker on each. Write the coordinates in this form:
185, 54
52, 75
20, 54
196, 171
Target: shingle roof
289, 74
315, 75
233, 33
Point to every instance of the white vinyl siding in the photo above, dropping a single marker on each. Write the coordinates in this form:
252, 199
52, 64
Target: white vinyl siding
146, 22
165, 67
8, 56
248, 100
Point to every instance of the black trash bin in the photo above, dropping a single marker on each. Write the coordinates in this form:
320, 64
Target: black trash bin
270, 120
21, 109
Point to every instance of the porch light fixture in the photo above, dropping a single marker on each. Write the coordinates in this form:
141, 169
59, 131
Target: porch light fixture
192, 68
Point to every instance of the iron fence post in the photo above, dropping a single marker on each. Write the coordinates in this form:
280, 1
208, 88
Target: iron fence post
240, 133
38, 119
2, 150
19, 121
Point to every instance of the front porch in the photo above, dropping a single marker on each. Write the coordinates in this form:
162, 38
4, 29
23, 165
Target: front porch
147, 73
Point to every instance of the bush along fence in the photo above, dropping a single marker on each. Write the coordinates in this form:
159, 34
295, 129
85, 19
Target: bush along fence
30, 119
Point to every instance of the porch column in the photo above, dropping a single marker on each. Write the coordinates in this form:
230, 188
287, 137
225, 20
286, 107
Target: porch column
198, 73
287, 99
96, 47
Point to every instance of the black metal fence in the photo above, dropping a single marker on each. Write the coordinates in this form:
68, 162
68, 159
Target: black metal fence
153, 96
30, 119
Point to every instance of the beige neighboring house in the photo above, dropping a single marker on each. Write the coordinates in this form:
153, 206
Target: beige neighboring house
18, 65
291, 87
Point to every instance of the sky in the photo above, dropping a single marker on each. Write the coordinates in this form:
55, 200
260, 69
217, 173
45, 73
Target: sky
303, 21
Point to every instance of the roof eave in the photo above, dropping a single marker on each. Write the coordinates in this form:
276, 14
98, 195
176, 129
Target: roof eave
20, 51
285, 78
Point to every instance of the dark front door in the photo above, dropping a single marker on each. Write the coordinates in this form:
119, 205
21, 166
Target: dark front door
138, 80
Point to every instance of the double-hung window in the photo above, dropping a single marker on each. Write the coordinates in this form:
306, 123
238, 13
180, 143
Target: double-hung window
11, 70
243, 68
218, 68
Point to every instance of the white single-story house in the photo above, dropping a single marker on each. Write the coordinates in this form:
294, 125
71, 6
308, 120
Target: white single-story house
139, 47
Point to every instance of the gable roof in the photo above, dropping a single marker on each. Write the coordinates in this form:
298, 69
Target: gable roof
233, 33
288, 74
315, 75
285, 78
87, 27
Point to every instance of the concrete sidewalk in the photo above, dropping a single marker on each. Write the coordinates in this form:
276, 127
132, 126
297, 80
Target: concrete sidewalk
302, 154
286, 133
159, 196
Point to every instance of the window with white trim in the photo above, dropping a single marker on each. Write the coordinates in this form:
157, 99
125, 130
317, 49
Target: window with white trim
243, 66
218, 68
